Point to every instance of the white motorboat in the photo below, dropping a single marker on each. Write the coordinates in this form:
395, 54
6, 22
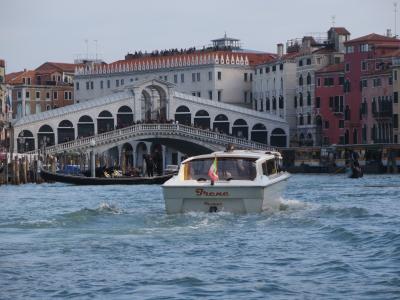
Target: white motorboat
238, 181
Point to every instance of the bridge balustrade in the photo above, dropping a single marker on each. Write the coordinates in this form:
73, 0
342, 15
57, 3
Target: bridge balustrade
155, 130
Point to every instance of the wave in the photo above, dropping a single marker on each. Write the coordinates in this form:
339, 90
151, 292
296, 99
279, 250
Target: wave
66, 219
346, 212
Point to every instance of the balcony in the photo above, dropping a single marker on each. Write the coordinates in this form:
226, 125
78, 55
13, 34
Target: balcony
386, 114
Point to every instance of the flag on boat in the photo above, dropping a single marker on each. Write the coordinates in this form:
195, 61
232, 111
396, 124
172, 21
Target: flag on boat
213, 172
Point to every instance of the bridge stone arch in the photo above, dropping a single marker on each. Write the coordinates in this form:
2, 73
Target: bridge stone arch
240, 129
124, 116
25, 141
85, 126
259, 133
152, 99
183, 115
278, 138
46, 136
202, 119
65, 131
105, 121
221, 124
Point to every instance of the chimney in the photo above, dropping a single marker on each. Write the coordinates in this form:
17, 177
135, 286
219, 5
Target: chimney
389, 32
279, 49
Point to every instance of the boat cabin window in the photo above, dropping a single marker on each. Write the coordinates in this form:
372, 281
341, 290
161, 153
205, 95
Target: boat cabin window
269, 167
228, 168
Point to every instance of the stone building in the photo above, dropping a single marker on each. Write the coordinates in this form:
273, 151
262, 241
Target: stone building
47, 87
221, 72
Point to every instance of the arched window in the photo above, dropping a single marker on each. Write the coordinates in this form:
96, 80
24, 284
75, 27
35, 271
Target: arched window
308, 79
182, 108
281, 103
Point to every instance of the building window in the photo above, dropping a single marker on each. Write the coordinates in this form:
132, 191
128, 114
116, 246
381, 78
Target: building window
390, 80
396, 97
318, 102
220, 76
37, 95
117, 82
101, 84
87, 85
165, 78
308, 61
395, 121
251, 76
347, 67
176, 78
122, 81
182, 77
193, 77
301, 80
48, 95
91, 85
308, 79
266, 69
363, 65
309, 119
318, 81
395, 74
300, 63
199, 94
341, 123
55, 95
245, 96
245, 76
108, 84
326, 124
77, 86
194, 94
27, 95
209, 75
219, 96
65, 95
19, 94
198, 76
261, 70
341, 80
210, 95
281, 67
350, 49
308, 98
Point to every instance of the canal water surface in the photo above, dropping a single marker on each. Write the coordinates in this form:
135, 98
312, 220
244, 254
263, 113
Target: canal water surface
333, 238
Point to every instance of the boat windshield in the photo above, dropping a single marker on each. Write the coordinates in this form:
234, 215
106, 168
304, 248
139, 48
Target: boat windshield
228, 168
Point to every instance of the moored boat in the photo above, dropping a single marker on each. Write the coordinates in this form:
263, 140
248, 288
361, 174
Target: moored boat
235, 181
83, 180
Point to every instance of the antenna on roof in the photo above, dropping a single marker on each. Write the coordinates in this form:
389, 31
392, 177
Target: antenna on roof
95, 41
333, 17
87, 48
395, 19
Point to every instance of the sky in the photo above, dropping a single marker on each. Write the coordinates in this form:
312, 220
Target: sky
33, 32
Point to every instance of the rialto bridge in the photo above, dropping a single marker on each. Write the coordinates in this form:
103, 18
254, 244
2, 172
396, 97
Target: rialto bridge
145, 117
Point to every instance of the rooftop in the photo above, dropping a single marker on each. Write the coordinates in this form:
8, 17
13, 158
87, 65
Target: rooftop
373, 38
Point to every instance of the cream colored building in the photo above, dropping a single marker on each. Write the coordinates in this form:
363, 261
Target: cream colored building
221, 72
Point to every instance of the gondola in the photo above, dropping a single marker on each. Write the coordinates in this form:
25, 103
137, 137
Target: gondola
83, 180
